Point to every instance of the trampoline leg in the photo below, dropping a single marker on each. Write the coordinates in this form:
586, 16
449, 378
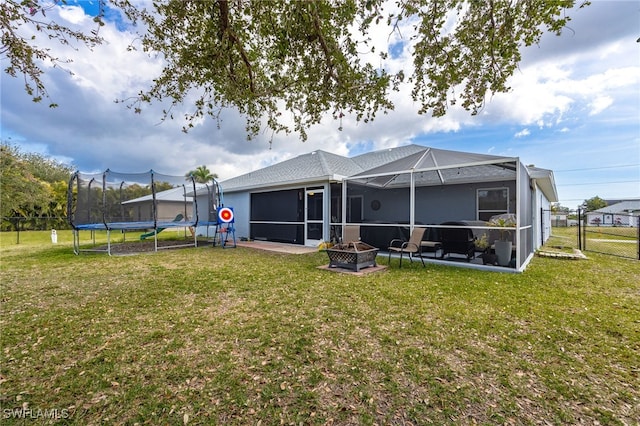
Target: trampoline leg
76, 242
109, 242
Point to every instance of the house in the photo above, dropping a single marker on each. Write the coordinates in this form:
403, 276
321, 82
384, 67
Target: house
178, 201
308, 199
168, 204
619, 213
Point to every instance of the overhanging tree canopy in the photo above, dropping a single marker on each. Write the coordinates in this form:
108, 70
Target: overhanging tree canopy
307, 58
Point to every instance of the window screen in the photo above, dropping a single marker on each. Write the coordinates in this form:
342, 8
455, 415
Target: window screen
492, 202
278, 206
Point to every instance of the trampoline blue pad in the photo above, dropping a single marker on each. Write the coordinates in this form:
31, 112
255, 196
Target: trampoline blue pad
132, 225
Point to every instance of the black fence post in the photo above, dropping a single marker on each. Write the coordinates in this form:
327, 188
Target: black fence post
638, 235
579, 229
16, 224
542, 224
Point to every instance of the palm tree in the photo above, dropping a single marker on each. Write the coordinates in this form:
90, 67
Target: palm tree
202, 174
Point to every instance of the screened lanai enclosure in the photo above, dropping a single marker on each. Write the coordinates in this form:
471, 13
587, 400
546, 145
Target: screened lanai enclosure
389, 193
445, 192
140, 205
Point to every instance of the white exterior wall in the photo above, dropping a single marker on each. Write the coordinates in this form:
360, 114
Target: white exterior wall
240, 202
546, 206
541, 226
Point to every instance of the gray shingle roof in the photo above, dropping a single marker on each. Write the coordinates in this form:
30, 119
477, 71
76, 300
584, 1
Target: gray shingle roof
315, 166
320, 166
621, 207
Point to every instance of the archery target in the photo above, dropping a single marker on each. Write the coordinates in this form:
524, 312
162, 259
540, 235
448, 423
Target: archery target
225, 215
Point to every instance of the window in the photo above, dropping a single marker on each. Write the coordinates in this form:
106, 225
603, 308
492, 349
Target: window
491, 202
278, 206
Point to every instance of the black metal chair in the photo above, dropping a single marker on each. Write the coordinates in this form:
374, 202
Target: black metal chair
457, 239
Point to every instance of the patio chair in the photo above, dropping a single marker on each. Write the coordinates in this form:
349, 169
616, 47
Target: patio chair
457, 240
412, 247
431, 242
351, 233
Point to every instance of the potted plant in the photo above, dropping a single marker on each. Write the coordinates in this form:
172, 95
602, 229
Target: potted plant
482, 244
503, 246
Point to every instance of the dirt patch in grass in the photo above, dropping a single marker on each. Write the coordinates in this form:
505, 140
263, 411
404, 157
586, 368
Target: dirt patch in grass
139, 247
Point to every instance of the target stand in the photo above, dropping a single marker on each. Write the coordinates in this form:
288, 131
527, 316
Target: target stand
225, 229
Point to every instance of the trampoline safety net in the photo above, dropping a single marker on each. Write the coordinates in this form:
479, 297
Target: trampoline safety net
112, 200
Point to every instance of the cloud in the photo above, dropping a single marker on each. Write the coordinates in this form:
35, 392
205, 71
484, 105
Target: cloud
522, 133
600, 104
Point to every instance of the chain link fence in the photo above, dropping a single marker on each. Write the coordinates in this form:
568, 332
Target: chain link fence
34, 223
19, 224
614, 234
611, 234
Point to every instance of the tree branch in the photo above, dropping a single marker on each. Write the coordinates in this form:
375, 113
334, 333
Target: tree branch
225, 30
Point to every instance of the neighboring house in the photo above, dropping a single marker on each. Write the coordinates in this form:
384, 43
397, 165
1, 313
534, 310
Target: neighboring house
559, 220
180, 200
621, 213
169, 204
308, 199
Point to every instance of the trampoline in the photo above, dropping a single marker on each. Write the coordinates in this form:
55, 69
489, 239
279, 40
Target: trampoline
148, 202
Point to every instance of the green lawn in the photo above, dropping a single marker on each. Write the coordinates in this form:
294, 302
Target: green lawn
239, 336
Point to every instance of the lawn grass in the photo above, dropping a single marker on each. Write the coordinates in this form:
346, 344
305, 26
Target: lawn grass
241, 336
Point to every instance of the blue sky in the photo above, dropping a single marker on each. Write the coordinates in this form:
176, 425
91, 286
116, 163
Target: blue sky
574, 108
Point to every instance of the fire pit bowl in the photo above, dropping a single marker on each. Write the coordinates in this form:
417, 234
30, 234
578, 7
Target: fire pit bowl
354, 255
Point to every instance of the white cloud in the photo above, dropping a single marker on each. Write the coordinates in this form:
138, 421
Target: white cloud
600, 104
522, 133
72, 14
